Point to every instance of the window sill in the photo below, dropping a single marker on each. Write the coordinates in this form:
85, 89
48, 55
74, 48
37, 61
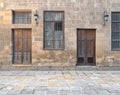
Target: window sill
21, 23
53, 49
115, 50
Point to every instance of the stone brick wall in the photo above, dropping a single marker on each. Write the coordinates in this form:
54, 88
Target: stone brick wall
5, 17
86, 14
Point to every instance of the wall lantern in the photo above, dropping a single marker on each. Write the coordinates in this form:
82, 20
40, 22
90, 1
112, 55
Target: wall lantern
36, 16
106, 17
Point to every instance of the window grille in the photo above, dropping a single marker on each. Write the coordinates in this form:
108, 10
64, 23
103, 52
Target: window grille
116, 31
53, 30
21, 17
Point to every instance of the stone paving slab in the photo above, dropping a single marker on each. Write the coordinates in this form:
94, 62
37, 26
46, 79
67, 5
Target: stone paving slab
59, 82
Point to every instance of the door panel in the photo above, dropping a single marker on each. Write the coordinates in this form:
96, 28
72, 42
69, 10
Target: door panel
86, 47
22, 46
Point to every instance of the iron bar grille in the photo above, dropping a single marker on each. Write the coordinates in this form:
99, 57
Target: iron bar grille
53, 30
21, 17
115, 30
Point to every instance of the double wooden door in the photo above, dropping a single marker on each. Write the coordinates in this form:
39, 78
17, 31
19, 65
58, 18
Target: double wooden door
22, 46
86, 47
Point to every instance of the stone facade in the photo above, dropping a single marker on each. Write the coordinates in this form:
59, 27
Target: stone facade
85, 14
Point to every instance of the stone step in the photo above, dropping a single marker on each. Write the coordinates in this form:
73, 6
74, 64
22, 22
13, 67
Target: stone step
43, 68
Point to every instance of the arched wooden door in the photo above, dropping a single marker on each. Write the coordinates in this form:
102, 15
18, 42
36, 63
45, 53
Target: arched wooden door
86, 47
22, 46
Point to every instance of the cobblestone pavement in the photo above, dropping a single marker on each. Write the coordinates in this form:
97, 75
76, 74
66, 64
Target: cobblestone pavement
59, 82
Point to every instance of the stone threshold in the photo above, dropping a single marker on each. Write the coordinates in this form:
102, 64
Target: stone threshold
21, 65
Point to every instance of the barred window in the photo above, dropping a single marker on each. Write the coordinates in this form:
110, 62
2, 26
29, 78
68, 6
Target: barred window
115, 30
21, 17
53, 30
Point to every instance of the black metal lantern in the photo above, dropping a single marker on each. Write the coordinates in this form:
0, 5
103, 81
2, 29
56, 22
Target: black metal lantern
36, 16
106, 17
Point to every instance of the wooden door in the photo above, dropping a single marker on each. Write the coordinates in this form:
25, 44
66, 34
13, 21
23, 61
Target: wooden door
86, 47
22, 46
